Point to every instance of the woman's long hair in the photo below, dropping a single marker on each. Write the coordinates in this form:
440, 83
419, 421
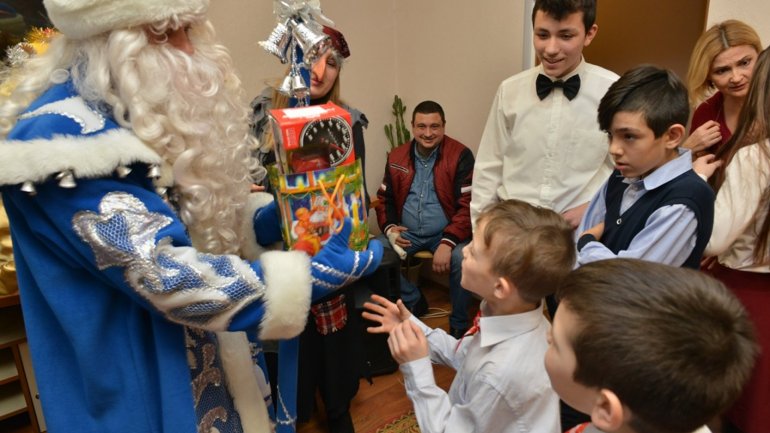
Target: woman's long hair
753, 127
711, 43
188, 108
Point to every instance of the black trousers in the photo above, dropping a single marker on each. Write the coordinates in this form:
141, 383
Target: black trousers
329, 363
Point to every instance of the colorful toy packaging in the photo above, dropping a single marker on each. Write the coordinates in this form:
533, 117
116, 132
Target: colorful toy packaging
316, 178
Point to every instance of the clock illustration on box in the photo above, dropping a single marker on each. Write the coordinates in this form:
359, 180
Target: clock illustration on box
332, 133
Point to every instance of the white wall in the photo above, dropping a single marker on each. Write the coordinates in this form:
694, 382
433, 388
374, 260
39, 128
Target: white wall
752, 12
455, 52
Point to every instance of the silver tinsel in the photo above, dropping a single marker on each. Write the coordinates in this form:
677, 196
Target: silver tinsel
298, 27
16, 54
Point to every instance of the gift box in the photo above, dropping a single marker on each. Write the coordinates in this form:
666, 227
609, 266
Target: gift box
314, 203
316, 179
312, 138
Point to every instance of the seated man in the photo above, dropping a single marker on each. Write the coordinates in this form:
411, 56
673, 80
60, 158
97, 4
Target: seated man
424, 204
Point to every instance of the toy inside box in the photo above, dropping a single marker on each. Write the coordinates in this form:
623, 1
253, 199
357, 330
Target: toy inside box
316, 178
312, 138
307, 220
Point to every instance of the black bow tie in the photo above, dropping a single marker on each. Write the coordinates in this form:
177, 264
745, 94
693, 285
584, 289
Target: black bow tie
544, 86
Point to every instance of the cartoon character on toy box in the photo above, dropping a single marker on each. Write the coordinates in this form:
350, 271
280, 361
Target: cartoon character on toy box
316, 178
307, 219
312, 138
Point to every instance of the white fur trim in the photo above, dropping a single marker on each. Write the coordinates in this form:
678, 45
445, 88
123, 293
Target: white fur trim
250, 249
242, 382
287, 298
88, 157
79, 19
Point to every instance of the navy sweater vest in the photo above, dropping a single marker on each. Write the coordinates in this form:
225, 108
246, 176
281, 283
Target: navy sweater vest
687, 189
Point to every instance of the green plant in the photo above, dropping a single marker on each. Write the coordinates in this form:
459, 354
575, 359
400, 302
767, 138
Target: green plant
397, 134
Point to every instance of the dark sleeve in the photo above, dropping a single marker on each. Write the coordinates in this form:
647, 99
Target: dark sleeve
258, 122
459, 228
702, 114
386, 210
359, 147
259, 107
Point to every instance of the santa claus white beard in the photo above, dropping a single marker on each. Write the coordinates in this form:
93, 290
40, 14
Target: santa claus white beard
188, 108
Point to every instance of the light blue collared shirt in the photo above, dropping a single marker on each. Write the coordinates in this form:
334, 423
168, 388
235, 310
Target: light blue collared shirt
422, 212
669, 235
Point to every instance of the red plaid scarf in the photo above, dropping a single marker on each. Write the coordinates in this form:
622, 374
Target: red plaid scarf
330, 316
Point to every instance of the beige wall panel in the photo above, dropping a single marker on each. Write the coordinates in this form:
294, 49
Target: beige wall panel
756, 13
454, 51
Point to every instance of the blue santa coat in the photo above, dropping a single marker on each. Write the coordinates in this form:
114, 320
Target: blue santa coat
113, 346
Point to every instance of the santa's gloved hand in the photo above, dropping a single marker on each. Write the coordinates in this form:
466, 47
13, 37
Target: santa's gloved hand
267, 224
336, 265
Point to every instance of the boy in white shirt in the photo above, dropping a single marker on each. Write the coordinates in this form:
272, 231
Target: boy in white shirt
648, 348
519, 254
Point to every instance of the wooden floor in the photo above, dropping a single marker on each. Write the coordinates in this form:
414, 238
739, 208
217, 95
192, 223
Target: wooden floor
385, 400
374, 406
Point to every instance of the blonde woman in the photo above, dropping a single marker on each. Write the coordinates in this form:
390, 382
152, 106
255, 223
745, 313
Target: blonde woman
324, 87
718, 79
740, 240
329, 348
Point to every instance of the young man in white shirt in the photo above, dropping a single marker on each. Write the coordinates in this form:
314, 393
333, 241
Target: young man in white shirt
542, 143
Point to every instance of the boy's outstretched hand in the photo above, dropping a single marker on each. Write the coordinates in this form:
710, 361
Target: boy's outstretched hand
407, 342
386, 313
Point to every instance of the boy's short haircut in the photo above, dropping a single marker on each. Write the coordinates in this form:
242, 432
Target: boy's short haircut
530, 246
673, 344
657, 93
560, 9
428, 107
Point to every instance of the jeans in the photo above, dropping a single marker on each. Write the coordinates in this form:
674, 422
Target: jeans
458, 296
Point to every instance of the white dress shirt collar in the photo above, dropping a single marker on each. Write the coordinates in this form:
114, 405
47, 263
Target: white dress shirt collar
494, 329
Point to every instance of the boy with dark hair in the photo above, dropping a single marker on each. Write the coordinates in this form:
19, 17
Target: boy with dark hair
687, 347
520, 254
541, 143
653, 206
